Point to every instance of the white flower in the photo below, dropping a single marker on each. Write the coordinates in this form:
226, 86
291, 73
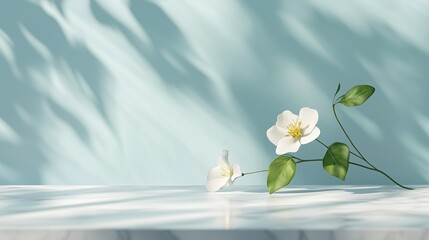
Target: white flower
223, 174
291, 130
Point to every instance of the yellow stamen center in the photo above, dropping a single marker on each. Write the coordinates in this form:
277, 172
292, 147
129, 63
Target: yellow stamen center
294, 130
227, 172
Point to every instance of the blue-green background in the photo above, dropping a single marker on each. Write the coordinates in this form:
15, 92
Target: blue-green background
151, 92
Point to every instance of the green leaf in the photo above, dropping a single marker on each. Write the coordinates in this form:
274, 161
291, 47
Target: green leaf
338, 89
280, 173
336, 160
357, 95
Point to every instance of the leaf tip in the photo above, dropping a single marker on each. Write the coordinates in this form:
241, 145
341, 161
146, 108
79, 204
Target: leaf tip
338, 89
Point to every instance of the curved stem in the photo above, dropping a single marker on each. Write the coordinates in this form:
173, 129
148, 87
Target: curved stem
309, 160
385, 174
361, 155
315, 160
297, 158
352, 163
362, 166
326, 146
391, 179
348, 137
242, 174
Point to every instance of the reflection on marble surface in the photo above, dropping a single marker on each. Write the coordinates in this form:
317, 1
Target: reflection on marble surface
213, 235
192, 208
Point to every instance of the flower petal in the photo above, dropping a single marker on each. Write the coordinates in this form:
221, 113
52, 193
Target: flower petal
236, 172
215, 180
229, 183
287, 144
276, 133
309, 118
285, 118
310, 137
223, 160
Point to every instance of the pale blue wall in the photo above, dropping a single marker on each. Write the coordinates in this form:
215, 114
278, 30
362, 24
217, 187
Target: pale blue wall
151, 92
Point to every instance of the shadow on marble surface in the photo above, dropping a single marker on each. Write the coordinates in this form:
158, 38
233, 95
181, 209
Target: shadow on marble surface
186, 208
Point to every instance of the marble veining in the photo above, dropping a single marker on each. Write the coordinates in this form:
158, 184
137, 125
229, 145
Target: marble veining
130, 212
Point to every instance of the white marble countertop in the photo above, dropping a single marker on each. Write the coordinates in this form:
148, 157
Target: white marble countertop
192, 208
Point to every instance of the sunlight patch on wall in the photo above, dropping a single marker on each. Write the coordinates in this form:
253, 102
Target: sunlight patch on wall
300, 88
305, 34
6, 51
365, 124
395, 78
406, 20
7, 134
148, 131
417, 150
203, 26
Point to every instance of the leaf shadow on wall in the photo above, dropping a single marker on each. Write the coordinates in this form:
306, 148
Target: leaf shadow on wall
297, 61
21, 100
